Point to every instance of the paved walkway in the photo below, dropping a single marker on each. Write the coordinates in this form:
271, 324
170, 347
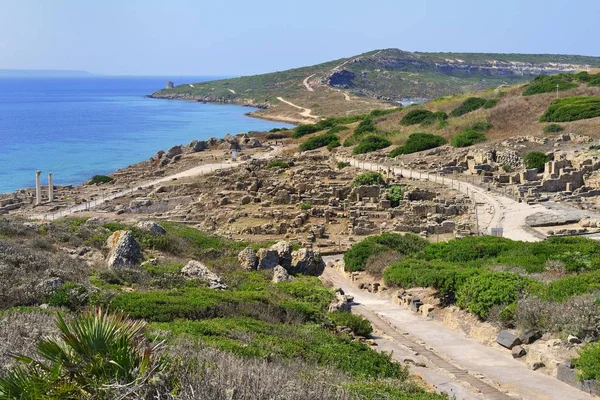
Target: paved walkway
492, 371
506, 213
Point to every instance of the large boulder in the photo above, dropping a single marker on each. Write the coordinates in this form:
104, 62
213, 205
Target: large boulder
152, 227
197, 270
174, 151
280, 274
341, 302
124, 251
308, 262
198, 145
284, 252
248, 259
267, 259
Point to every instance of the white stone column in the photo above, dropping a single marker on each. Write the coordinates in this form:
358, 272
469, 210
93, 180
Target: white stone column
50, 187
38, 188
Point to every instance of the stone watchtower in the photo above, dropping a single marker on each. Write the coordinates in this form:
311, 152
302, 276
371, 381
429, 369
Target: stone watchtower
170, 85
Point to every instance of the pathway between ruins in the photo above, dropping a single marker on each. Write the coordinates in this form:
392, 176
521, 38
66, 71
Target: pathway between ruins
455, 363
498, 212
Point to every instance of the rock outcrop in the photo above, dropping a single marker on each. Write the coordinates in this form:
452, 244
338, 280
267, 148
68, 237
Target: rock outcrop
152, 227
280, 274
248, 259
308, 262
124, 251
196, 270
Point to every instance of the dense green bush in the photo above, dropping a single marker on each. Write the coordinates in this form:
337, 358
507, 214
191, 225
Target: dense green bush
548, 83
482, 126
358, 324
333, 144
483, 291
251, 338
99, 179
278, 164
318, 141
342, 164
365, 126
572, 285
371, 143
303, 130
553, 128
467, 106
572, 109
588, 362
418, 142
536, 159
337, 129
443, 276
356, 258
467, 138
491, 103
368, 178
416, 117
386, 390
395, 194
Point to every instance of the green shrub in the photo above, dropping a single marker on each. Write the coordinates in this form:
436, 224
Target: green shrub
572, 109
553, 128
278, 164
318, 141
70, 295
483, 291
445, 277
358, 324
371, 143
333, 144
303, 130
418, 142
482, 126
491, 103
305, 205
99, 179
365, 126
310, 342
356, 258
342, 164
594, 80
467, 138
573, 285
416, 117
467, 106
368, 178
537, 160
395, 195
388, 390
548, 83
588, 363
337, 129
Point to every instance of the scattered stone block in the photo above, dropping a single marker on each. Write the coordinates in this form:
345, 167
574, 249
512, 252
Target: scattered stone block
507, 339
529, 336
518, 352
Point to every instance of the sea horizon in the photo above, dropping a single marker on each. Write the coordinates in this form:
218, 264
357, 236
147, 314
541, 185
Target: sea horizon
80, 126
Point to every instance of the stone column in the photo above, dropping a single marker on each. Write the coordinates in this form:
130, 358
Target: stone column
50, 187
38, 188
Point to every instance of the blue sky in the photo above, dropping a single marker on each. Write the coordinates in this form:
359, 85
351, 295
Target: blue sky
221, 37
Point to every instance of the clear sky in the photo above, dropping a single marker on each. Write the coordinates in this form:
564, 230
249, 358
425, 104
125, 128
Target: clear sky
231, 37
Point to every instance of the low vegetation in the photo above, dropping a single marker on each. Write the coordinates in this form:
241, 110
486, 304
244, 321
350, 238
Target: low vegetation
371, 143
467, 106
536, 160
572, 109
368, 178
550, 83
278, 164
467, 138
553, 128
324, 140
420, 116
99, 179
418, 142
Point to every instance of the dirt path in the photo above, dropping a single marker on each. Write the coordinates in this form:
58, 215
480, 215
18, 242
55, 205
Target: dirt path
306, 85
232, 91
306, 112
466, 362
499, 212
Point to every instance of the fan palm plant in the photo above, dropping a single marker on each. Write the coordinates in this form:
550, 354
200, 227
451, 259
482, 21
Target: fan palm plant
94, 352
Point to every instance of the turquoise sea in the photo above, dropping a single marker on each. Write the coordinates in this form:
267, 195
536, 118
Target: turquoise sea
79, 127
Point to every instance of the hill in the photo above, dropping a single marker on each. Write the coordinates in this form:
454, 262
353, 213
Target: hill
376, 77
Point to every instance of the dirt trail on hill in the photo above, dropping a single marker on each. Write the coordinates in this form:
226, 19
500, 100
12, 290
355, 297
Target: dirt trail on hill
454, 361
306, 112
306, 85
502, 212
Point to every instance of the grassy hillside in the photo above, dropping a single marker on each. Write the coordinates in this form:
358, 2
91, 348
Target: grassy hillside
382, 75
